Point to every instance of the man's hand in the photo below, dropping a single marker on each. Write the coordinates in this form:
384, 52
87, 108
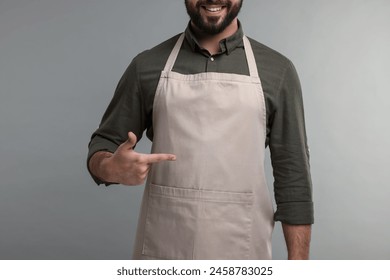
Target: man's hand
297, 241
125, 166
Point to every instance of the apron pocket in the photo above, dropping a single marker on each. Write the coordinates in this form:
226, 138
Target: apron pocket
186, 223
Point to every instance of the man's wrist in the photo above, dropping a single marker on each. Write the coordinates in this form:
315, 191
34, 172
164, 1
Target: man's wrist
100, 166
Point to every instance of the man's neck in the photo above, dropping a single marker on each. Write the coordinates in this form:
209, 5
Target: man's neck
211, 42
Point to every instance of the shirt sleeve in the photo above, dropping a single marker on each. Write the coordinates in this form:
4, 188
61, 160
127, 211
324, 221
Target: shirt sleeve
125, 113
290, 154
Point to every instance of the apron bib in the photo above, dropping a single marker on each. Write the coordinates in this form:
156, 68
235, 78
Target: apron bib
213, 201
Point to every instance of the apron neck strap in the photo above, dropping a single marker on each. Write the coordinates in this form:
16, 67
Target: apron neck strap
172, 57
250, 57
248, 52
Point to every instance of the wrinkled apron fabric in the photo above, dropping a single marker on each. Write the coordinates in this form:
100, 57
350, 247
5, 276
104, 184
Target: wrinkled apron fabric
213, 201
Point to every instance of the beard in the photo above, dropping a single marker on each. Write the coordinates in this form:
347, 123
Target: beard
212, 25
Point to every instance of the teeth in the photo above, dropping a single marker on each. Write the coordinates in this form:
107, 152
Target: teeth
214, 9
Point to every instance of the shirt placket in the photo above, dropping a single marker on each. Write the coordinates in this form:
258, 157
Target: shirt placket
211, 64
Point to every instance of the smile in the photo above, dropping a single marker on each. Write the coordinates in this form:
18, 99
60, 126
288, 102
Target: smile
213, 9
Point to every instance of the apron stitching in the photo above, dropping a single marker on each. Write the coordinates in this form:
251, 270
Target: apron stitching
198, 198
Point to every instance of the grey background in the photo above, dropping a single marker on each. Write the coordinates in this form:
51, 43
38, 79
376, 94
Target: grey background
60, 61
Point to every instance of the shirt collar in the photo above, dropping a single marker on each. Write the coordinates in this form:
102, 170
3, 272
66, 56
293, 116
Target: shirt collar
227, 45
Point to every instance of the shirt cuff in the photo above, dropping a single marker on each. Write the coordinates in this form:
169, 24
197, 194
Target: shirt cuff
97, 145
295, 213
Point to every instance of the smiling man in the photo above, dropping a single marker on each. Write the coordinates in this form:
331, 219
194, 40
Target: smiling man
211, 100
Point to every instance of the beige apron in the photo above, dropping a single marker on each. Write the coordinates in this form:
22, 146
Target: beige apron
213, 201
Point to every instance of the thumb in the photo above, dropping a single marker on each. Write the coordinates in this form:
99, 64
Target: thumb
131, 141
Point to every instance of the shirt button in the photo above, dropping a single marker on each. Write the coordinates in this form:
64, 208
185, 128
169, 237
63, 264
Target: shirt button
212, 58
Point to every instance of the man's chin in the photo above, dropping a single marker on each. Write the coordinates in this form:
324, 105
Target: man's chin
211, 27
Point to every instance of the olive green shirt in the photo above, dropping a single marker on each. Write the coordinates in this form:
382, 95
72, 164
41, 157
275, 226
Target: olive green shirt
132, 106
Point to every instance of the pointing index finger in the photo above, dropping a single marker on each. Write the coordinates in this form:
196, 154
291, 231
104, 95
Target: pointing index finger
154, 158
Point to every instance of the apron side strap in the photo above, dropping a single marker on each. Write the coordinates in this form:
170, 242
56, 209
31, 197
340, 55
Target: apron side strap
172, 57
250, 57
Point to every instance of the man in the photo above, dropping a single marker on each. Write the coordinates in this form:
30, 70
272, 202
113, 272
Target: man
211, 100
